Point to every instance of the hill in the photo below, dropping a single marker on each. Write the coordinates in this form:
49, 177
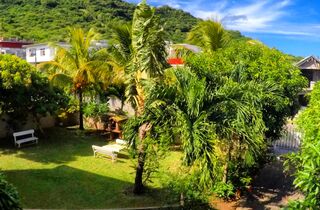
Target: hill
46, 20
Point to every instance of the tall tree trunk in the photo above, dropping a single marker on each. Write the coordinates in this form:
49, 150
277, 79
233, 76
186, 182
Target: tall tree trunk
122, 103
80, 110
226, 165
138, 184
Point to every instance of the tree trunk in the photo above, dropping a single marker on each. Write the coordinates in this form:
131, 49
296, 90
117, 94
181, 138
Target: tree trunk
38, 124
138, 184
122, 103
80, 110
226, 166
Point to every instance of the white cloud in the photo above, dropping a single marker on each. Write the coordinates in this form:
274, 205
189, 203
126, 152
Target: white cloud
254, 16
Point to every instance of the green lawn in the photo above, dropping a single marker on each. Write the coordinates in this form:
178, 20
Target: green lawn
61, 172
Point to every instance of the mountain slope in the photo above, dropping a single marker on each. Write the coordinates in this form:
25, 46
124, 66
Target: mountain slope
46, 20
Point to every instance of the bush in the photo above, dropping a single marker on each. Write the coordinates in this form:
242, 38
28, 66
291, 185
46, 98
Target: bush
307, 161
93, 109
186, 184
224, 190
24, 90
9, 198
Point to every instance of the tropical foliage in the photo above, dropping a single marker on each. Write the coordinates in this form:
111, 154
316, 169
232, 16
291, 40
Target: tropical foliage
78, 65
217, 119
222, 107
94, 109
148, 61
209, 35
46, 20
261, 64
307, 161
20, 86
9, 198
219, 108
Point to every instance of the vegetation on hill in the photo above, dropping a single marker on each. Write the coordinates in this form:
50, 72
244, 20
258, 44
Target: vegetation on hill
46, 20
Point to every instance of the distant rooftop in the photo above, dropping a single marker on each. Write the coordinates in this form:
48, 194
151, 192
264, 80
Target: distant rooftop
309, 62
99, 43
15, 40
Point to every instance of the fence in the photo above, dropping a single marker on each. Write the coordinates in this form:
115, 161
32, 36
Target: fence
290, 139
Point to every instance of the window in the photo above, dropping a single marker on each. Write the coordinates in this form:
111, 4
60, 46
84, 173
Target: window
42, 51
32, 52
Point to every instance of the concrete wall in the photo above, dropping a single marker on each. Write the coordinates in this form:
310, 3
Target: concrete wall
45, 122
115, 103
41, 53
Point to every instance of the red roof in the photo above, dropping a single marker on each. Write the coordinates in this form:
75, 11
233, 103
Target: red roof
175, 61
13, 44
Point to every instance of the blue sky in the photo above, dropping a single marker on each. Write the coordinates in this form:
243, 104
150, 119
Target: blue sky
292, 26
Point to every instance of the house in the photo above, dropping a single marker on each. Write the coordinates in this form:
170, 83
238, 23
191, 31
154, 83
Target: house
176, 51
13, 47
310, 68
44, 52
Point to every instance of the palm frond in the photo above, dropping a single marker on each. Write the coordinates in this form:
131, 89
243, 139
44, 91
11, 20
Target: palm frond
209, 35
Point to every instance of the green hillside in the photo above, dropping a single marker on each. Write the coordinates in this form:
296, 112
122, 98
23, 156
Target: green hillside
46, 20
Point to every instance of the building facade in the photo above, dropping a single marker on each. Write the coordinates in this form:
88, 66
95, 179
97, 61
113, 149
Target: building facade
44, 52
310, 68
13, 47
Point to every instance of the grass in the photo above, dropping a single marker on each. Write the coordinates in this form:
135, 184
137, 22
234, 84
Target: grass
61, 172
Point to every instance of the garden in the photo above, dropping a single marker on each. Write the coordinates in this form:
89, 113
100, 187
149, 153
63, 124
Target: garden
196, 131
61, 172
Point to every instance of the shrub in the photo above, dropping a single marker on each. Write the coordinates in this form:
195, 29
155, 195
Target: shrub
24, 90
307, 161
9, 198
93, 109
224, 190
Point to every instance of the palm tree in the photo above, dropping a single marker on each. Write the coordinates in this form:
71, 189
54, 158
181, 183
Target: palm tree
148, 62
218, 120
139, 54
209, 35
79, 65
121, 41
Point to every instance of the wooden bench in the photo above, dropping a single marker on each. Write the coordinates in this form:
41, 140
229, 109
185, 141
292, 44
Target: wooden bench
104, 151
24, 137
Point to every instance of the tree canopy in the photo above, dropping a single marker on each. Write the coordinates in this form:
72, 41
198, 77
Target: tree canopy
261, 64
79, 66
20, 85
221, 107
209, 35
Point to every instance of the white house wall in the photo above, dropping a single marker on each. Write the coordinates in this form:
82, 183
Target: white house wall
38, 57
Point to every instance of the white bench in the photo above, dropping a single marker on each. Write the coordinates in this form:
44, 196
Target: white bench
121, 142
24, 137
105, 151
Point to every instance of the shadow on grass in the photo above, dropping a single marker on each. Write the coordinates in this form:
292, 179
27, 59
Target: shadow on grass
270, 187
71, 188
57, 145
